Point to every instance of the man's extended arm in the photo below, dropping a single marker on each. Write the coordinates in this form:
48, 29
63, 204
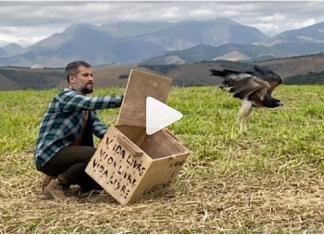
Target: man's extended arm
72, 101
99, 129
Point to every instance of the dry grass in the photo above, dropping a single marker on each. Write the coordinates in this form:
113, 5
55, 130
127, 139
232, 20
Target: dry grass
268, 181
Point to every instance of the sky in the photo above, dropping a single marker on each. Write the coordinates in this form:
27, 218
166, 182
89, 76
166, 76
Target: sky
27, 22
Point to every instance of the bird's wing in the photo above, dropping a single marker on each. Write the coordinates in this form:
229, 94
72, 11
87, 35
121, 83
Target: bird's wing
242, 88
237, 72
270, 76
273, 85
242, 84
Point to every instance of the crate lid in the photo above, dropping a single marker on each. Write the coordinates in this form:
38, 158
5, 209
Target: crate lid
140, 85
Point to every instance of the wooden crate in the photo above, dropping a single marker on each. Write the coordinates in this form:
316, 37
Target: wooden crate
129, 164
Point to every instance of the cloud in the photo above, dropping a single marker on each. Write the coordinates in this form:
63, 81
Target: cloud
26, 35
26, 22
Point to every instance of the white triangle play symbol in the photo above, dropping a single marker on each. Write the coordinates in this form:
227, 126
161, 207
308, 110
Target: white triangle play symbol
159, 115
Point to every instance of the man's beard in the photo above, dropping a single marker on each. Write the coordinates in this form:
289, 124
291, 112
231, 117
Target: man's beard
85, 89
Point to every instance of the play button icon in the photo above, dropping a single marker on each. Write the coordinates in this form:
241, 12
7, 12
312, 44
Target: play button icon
159, 115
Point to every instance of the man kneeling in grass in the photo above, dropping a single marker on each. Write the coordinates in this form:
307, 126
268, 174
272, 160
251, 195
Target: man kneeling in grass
65, 145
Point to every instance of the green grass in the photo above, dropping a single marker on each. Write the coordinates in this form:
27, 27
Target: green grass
267, 181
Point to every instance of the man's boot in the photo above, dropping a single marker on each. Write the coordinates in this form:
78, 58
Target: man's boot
55, 190
48, 179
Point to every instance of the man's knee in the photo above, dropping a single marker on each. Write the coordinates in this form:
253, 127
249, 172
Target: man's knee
89, 152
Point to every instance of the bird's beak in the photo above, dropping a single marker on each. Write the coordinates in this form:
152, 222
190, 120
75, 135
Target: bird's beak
281, 104
221, 87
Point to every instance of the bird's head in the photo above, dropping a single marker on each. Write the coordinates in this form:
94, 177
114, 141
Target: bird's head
271, 102
279, 103
274, 103
226, 85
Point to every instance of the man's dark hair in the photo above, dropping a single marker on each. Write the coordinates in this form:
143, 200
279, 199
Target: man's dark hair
73, 68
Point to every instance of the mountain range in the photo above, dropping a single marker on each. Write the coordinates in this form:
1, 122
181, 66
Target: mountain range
163, 43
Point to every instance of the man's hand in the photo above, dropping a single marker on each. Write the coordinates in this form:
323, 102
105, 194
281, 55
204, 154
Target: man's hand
119, 100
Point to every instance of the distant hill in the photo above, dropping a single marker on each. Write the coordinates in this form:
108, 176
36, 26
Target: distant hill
310, 34
12, 49
306, 40
229, 51
311, 78
140, 42
301, 48
128, 42
184, 44
214, 33
25, 78
2, 52
294, 70
7, 84
301, 65
16, 78
131, 29
80, 35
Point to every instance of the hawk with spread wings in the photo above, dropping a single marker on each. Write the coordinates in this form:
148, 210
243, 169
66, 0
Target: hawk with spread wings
254, 88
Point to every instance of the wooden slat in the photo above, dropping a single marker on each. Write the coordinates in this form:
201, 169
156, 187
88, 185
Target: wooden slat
140, 85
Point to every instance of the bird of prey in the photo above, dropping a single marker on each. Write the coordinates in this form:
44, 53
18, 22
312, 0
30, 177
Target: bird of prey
254, 88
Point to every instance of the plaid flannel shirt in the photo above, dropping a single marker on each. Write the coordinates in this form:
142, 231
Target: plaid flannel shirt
63, 121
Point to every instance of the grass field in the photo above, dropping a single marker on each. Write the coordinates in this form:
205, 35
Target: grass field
267, 181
